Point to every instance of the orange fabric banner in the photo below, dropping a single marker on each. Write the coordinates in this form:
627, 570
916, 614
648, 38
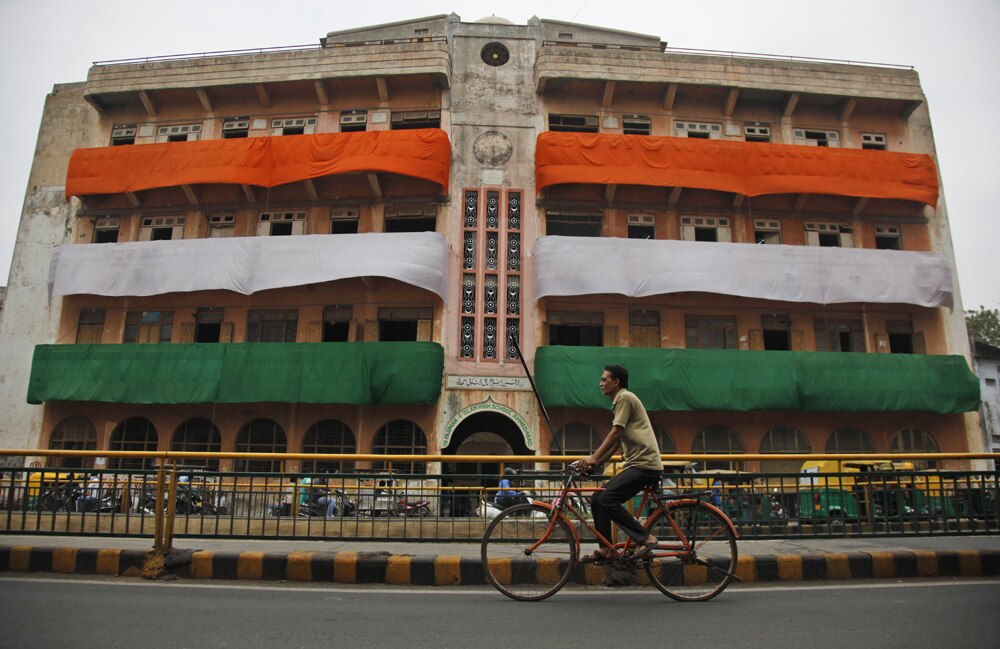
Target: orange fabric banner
259, 161
748, 168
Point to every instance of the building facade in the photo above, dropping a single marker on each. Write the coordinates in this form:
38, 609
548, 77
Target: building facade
342, 249
987, 364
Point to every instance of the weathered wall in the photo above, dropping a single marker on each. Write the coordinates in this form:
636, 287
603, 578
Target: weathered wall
68, 122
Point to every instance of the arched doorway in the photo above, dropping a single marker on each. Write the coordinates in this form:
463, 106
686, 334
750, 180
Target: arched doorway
482, 433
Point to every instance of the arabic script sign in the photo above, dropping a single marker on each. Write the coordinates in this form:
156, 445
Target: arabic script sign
489, 406
456, 381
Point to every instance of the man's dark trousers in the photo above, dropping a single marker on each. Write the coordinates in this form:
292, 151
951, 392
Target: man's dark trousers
607, 505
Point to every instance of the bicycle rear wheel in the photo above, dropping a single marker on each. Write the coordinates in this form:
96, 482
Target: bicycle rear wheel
707, 567
517, 570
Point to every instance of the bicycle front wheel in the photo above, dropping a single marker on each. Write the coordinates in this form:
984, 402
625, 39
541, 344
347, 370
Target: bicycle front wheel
523, 558
706, 547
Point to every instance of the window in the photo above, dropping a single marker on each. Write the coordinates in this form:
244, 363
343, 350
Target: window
776, 332
711, 332
849, 440
221, 225
829, 235
767, 232
716, 439
900, 334
757, 132
400, 437
260, 436
198, 436
991, 383
572, 225
272, 325
416, 119
328, 436
337, 323
887, 237
874, 141
293, 126
73, 434
162, 228
573, 123
816, 138
353, 121
839, 335
644, 328
915, 440
90, 327
410, 218
782, 439
663, 440
494, 54
344, 221
106, 229
575, 439
576, 329
641, 226
135, 434
705, 229
149, 326
698, 130
404, 324
636, 124
122, 134
208, 325
235, 127
178, 133
280, 224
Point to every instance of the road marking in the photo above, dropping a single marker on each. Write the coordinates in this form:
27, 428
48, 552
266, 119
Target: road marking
433, 590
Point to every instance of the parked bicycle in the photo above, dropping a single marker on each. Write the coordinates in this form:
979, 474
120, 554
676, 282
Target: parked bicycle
530, 551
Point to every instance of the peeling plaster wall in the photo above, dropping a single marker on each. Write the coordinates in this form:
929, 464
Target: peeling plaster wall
29, 318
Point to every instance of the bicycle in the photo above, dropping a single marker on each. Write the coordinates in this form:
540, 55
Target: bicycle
529, 552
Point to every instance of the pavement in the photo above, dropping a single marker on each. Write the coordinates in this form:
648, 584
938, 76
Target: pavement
458, 564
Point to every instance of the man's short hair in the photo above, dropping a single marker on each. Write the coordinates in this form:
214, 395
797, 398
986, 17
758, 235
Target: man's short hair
618, 372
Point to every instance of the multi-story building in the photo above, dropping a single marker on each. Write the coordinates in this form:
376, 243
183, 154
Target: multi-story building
335, 248
987, 365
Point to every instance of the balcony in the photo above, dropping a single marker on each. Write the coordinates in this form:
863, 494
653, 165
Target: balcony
702, 379
806, 274
247, 265
332, 373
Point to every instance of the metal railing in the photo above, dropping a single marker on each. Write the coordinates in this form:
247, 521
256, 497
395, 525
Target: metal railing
852, 496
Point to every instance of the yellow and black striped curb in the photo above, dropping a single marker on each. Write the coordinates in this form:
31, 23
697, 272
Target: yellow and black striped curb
445, 570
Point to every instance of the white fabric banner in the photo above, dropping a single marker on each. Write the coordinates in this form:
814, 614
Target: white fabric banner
248, 264
641, 267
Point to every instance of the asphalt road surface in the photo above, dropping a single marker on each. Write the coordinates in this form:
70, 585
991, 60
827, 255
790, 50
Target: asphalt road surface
77, 613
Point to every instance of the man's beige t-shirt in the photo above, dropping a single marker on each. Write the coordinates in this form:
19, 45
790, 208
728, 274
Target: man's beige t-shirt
639, 447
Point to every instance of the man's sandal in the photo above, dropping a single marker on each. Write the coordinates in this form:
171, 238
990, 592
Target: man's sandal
594, 557
643, 550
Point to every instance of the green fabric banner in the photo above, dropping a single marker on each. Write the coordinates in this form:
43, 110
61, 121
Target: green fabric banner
355, 373
708, 379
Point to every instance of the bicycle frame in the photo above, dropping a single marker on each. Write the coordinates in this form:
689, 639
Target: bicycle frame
562, 502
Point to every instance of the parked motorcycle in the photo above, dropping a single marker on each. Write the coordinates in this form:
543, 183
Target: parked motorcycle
404, 507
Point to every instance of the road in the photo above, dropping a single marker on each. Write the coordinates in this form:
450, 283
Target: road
77, 613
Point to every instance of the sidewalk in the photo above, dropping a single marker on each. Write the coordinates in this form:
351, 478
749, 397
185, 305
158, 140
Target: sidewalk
454, 564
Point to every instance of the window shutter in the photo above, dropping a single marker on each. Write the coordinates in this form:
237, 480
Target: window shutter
424, 330
178, 232
812, 238
371, 331
846, 240
756, 339
314, 332
226, 332
187, 332
263, 228
919, 344
149, 334
90, 335
798, 340
724, 233
298, 227
611, 336
687, 232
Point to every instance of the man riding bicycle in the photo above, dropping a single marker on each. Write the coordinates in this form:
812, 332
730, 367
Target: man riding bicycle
632, 434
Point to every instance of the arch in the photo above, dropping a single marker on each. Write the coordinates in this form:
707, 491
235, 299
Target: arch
849, 440
716, 438
783, 439
400, 437
664, 440
198, 435
328, 436
576, 438
73, 434
490, 406
915, 440
260, 436
133, 434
